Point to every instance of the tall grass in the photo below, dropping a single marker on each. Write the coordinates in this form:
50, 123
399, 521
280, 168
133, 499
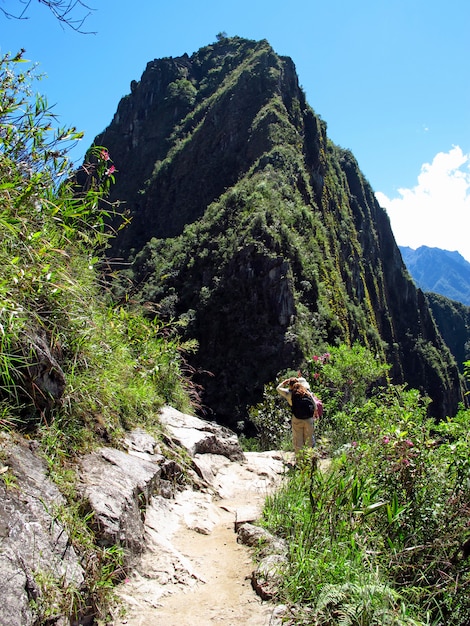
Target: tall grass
119, 367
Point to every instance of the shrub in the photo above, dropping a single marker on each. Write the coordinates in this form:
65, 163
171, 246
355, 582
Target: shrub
379, 533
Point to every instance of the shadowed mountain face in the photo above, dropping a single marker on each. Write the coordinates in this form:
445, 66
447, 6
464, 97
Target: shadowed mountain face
254, 230
453, 321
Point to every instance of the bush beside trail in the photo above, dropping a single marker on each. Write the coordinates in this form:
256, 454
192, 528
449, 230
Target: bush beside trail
380, 534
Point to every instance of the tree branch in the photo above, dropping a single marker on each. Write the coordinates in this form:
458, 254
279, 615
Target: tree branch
62, 10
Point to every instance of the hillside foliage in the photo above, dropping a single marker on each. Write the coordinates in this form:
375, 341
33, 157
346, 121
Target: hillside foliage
376, 517
52, 241
111, 368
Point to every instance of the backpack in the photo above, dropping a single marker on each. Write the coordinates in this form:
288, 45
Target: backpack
303, 407
319, 404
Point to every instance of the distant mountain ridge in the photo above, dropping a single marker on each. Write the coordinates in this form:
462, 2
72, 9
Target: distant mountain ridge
439, 271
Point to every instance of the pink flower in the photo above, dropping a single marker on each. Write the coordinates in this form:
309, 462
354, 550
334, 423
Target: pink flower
316, 375
409, 443
315, 358
386, 440
104, 154
110, 170
354, 444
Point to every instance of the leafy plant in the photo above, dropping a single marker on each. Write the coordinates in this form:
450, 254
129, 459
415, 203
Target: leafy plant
272, 421
117, 365
379, 534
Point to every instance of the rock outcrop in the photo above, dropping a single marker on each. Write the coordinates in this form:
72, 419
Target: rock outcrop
37, 560
136, 498
36, 380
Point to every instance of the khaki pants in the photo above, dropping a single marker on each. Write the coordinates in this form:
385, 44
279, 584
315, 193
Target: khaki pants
302, 433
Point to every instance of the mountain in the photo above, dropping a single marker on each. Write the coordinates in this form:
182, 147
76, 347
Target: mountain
453, 320
439, 271
255, 233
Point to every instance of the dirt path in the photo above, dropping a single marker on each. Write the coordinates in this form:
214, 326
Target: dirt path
195, 572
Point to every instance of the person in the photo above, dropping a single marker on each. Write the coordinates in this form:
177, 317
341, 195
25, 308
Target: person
302, 429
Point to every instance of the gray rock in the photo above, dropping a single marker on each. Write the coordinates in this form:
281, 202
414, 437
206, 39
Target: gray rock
34, 545
118, 487
257, 537
139, 442
267, 577
272, 555
200, 437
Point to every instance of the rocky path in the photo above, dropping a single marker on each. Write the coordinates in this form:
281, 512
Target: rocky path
194, 571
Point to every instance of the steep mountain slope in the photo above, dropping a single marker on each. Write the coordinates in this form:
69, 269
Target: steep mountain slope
453, 320
255, 231
439, 271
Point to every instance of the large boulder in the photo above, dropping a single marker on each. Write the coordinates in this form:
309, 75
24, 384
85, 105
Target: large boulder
198, 436
37, 559
118, 486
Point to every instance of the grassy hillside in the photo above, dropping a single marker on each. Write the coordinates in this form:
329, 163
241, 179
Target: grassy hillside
76, 369
52, 240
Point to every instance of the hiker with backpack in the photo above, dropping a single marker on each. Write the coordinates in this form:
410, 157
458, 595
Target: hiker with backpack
304, 410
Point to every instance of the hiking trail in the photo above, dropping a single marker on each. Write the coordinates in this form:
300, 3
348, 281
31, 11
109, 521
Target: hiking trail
194, 572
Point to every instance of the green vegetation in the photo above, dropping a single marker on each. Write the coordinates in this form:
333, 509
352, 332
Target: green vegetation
377, 531
344, 378
109, 367
114, 360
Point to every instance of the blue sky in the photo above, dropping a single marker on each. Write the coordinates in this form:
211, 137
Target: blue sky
391, 78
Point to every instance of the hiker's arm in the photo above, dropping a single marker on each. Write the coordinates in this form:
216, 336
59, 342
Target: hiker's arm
285, 392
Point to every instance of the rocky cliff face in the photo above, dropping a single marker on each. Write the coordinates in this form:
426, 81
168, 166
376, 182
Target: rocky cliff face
252, 228
453, 320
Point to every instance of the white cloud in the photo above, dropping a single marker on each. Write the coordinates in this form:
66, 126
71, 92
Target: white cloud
436, 212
